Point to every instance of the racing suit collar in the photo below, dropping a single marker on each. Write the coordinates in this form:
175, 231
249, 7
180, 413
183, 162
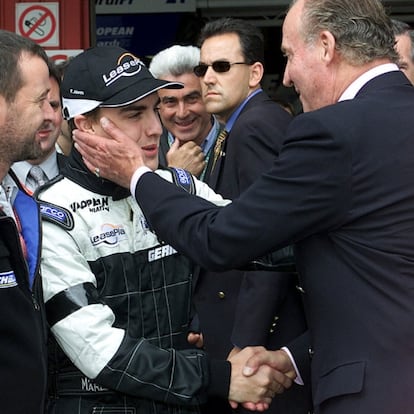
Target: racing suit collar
77, 171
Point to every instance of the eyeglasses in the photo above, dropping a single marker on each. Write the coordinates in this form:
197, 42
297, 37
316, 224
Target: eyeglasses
219, 66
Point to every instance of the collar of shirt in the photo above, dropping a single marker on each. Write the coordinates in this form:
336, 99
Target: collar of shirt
211, 137
49, 166
236, 113
8, 192
352, 90
208, 141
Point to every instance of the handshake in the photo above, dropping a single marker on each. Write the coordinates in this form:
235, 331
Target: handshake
257, 375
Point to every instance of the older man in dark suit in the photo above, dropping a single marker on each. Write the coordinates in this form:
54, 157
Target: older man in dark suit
341, 189
238, 308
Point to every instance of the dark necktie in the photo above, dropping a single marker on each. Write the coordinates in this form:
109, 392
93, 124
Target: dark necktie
218, 148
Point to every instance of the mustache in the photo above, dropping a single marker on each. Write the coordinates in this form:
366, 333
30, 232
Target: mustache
45, 125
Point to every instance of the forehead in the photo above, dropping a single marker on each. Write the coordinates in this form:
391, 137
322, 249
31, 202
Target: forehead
34, 71
221, 47
147, 103
291, 26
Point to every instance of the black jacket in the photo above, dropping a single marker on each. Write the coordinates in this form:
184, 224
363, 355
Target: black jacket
22, 328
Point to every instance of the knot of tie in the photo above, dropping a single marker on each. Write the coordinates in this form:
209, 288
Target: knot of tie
37, 175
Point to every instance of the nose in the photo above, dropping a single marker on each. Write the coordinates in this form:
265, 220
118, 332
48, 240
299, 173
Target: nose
182, 109
48, 111
209, 76
154, 125
287, 81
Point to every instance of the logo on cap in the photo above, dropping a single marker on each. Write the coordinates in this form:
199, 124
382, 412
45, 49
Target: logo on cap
127, 65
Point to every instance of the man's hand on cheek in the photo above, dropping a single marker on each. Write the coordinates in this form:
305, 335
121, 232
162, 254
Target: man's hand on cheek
115, 159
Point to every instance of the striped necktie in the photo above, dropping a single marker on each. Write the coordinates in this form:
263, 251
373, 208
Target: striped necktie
218, 148
37, 176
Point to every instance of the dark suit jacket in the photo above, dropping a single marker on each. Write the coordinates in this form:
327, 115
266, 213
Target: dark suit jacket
342, 190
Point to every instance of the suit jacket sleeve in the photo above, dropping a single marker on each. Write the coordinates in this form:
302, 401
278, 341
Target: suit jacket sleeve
301, 352
306, 191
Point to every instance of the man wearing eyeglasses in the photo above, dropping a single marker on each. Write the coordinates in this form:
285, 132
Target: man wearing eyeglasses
237, 309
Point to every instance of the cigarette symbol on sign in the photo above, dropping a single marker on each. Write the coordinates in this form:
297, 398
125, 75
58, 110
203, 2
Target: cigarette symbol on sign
32, 23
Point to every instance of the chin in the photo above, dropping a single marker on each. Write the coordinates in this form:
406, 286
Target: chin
185, 138
153, 164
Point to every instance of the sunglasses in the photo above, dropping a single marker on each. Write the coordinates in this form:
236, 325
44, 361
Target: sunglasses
219, 66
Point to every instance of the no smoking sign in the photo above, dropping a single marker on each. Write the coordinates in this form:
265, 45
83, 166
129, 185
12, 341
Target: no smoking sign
39, 22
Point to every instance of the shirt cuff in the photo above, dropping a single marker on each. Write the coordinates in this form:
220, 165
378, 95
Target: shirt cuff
140, 171
298, 379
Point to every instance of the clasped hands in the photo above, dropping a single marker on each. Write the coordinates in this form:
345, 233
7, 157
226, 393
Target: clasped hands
257, 375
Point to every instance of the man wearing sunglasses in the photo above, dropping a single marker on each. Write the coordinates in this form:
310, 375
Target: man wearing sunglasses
237, 309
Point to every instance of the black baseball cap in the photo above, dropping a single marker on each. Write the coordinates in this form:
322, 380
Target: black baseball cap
106, 76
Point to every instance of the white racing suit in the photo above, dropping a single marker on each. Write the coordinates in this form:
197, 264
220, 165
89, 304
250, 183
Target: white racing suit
118, 303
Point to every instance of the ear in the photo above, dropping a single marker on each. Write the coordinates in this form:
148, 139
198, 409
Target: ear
327, 45
84, 123
256, 74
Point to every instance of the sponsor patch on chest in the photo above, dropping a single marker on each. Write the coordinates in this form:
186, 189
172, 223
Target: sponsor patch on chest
108, 234
89, 385
94, 205
160, 252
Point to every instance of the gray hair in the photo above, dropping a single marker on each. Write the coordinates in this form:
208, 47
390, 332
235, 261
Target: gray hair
175, 61
362, 29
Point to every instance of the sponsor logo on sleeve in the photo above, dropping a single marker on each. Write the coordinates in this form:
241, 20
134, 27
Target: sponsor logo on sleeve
7, 279
183, 176
183, 179
57, 215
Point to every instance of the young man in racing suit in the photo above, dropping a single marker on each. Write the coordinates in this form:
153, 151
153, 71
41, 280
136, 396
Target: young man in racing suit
118, 299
